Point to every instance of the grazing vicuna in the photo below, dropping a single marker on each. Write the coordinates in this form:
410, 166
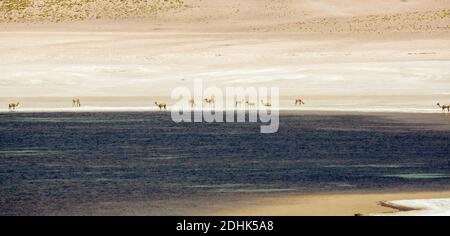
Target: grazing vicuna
299, 102
161, 106
266, 104
210, 101
13, 106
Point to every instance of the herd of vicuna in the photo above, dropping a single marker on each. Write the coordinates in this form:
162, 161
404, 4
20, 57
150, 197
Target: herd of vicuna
211, 102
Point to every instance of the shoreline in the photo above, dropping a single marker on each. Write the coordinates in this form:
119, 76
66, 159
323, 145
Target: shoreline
156, 109
339, 204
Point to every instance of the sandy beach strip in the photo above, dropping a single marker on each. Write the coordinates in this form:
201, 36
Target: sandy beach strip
153, 108
340, 204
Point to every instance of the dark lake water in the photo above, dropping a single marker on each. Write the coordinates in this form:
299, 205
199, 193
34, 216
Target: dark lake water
53, 163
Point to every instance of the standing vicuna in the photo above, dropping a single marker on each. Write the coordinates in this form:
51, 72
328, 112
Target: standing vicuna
13, 106
192, 102
444, 106
237, 103
76, 102
250, 104
161, 106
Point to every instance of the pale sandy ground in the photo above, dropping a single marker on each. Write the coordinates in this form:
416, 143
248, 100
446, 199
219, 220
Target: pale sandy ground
332, 204
309, 48
305, 48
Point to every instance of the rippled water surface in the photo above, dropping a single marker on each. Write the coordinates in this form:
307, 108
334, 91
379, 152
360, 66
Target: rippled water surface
52, 163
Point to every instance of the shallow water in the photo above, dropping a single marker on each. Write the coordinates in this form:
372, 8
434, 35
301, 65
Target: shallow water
61, 163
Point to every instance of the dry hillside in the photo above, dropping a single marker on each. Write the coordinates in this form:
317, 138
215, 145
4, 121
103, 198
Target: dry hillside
74, 10
304, 16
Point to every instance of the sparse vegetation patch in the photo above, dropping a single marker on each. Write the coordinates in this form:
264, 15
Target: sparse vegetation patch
72, 10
